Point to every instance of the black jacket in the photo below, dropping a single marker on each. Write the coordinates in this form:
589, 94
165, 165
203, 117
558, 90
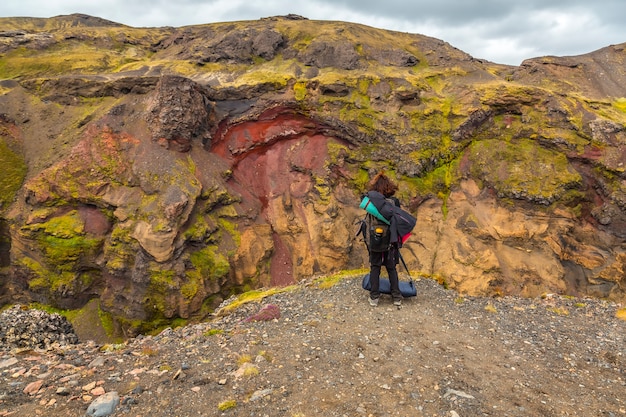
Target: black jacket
401, 222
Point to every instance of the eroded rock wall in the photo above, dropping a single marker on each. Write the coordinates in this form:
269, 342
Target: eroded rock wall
484, 247
164, 189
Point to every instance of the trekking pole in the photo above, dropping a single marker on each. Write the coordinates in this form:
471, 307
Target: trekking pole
404, 263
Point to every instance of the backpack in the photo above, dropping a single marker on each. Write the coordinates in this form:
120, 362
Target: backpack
377, 234
383, 213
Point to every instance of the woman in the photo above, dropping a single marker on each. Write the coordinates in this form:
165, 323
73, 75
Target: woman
383, 184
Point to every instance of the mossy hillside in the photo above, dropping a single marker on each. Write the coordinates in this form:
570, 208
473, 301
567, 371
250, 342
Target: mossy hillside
501, 94
105, 49
609, 108
434, 117
114, 49
557, 119
422, 131
298, 33
162, 281
82, 59
103, 52
355, 109
14, 172
438, 116
412, 139
523, 169
200, 229
48, 281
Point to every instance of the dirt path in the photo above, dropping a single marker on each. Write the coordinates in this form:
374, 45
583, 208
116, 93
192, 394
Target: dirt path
331, 354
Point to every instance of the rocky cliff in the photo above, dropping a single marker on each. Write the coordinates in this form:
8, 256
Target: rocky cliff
150, 173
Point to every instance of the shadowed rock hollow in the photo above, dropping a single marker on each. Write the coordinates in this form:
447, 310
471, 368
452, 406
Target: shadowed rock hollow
157, 171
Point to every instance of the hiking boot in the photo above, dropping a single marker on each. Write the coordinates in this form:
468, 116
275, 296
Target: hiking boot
397, 303
373, 302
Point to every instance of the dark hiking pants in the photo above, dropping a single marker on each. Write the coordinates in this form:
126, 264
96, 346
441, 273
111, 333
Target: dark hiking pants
389, 260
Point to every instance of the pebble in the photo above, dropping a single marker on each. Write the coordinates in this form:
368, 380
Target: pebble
461, 394
96, 363
104, 405
33, 387
8, 362
89, 386
257, 395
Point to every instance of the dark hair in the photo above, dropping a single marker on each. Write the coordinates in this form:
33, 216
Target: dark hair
383, 185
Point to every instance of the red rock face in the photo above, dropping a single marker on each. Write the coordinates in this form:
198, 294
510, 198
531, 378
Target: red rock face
273, 125
276, 157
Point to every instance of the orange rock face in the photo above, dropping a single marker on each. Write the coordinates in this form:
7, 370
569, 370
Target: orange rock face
276, 160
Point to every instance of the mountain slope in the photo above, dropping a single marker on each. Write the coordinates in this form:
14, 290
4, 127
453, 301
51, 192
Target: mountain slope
170, 167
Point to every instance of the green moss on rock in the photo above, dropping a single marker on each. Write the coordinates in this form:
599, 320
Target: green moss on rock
231, 228
620, 104
361, 180
199, 229
299, 90
13, 174
54, 281
208, 264
163, 283
63, 240
523, 169
438, 181
120, 249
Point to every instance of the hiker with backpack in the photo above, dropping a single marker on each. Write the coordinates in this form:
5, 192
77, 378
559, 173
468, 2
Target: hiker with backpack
382, 249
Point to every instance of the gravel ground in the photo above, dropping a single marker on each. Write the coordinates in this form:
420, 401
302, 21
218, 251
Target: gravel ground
331, 354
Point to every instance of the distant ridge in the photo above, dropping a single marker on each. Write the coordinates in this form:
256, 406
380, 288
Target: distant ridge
56, 22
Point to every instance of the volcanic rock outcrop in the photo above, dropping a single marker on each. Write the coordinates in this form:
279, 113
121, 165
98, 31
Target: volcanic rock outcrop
159, 170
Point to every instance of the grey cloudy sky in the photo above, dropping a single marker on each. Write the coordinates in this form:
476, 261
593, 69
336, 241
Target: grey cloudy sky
502, 31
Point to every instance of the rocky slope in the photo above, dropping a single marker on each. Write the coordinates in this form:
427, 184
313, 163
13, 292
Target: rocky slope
152, 172
316, 350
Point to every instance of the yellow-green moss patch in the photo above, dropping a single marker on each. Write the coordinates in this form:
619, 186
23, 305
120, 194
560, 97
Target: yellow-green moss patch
620, 104
13, 174
253, 296
226, 405
63, 240
332, 280
523, 169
